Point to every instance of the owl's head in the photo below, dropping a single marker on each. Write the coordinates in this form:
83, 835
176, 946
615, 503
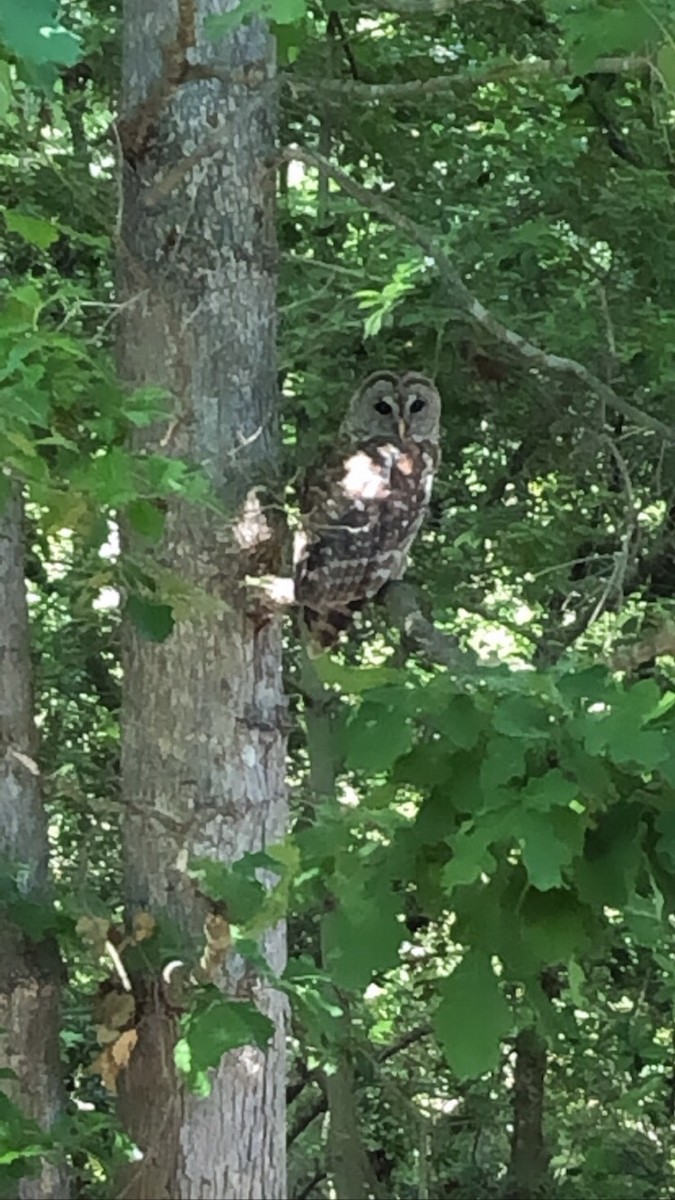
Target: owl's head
403, 407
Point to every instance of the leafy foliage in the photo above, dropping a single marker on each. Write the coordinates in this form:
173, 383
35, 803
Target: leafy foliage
214, 1026
497, 854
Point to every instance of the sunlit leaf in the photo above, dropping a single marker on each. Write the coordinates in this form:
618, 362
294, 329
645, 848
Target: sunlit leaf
34, 230
32, 30
472, 1018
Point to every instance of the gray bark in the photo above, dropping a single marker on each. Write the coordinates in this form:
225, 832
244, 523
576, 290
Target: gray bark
29, 972
203, 714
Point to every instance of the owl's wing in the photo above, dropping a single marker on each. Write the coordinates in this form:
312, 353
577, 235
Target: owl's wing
348, 522
330, 502
361, 515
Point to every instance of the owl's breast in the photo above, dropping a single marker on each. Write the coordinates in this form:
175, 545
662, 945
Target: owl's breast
412, 474
362, 522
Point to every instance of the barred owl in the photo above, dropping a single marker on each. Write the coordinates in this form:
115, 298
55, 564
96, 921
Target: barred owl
362, 513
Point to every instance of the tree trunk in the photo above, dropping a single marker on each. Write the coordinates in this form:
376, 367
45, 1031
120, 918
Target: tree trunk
350, 1168
203, 714
29, 971
528, 1167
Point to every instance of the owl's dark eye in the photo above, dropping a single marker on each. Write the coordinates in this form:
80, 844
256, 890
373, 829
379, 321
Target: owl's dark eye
417, 405
383, 408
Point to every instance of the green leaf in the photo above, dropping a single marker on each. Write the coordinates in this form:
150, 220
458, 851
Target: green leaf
644, 918
522, 717
471, 859
550, 841
548, 791
182, 1056
34, 230
33, 32
472, 1018
646, 701
643, 747
361, 936
665, 824
592, 684
667, 768
145, 405
462, 722
470, 848
665, 64
6, 90
504, 760
376, 737
289, 39
235, 886
619, 732
576, 979
427, 763
356, 680
35, 920
215, 1026
219, 25
147, 519
155, 622
591, 775
286, 12
110, 477
555, 926
465, 792
606, 875
607, 28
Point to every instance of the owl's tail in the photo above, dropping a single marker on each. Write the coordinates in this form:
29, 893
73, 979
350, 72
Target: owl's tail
324, 628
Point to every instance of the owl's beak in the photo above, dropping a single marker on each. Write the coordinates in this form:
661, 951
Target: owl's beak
402, 429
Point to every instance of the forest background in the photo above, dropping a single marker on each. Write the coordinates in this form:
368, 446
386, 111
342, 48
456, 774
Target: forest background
478, 869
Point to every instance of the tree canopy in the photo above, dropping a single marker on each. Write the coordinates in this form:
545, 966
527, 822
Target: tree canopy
479, 874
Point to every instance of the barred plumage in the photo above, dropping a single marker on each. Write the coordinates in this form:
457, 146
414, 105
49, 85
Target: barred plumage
362, 514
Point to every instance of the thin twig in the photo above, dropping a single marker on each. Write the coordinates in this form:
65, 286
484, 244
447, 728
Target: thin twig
116, 960
320, 1105
309, 1187
403, 610
305, 1119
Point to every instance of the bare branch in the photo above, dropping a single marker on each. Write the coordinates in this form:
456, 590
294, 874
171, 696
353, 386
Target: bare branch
319, 1106
403, 610
533, 355
402, 1043
467, 79
314, 1110
309, 1187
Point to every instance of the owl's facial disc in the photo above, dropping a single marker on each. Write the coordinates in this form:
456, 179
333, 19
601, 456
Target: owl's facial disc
394, 406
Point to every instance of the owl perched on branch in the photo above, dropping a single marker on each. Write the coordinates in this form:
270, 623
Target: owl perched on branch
361, 515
